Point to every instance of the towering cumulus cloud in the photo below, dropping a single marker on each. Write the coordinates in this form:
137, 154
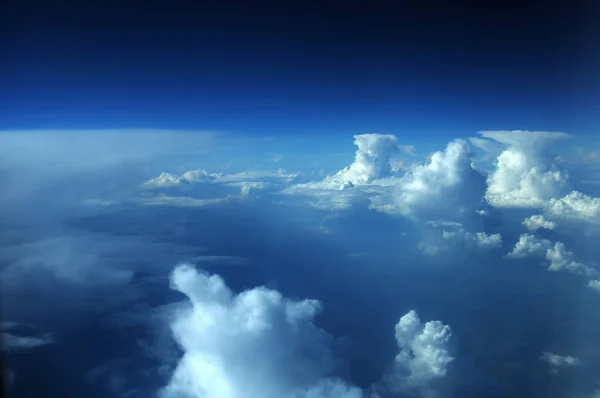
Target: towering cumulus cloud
372, 159
372, 163
526, 174
449, 186
423, 359
256, 344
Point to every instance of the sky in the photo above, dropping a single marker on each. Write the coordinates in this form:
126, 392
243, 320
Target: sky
318, 68
299, 200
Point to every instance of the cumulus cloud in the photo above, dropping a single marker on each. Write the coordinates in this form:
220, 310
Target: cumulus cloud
529, 245
371, 161
372, 168
538, 221
165, 180
558, 257
574, 206
526, 174
253, 344
562, 259
447, 187
478, 240
557, 362
424, 356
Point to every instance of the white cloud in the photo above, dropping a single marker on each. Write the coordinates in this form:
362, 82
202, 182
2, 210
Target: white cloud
562, 259
447, 187
558, 361
594, 284
254, 344
526, 174
538, 221
559, 258
371, 162
575, 206
424, 355
258, 178
529, 245
478, 240
339, 191
165, 180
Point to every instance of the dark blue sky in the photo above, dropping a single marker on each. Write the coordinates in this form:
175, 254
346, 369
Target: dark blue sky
344, 67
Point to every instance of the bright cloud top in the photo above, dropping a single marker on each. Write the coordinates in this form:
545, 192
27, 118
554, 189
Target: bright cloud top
372, 166
575, 206
424, 355
559, 258
254, 344
371, 162
526, 174
538, 221
447, 187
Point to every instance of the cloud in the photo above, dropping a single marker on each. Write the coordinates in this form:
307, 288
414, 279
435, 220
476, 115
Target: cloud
260, 178
562, 259
424, 356
526, 175
556, 361
11, 342
594, 284
178, 201
372, 162
253, 344
408, 149
76, 270
529, 245
447, 187
538, 221
165, 180
79, 162
559, 258
478, 240
249, 183
574, 206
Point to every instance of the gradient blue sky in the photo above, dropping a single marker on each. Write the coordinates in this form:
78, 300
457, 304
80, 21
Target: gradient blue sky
415, 69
